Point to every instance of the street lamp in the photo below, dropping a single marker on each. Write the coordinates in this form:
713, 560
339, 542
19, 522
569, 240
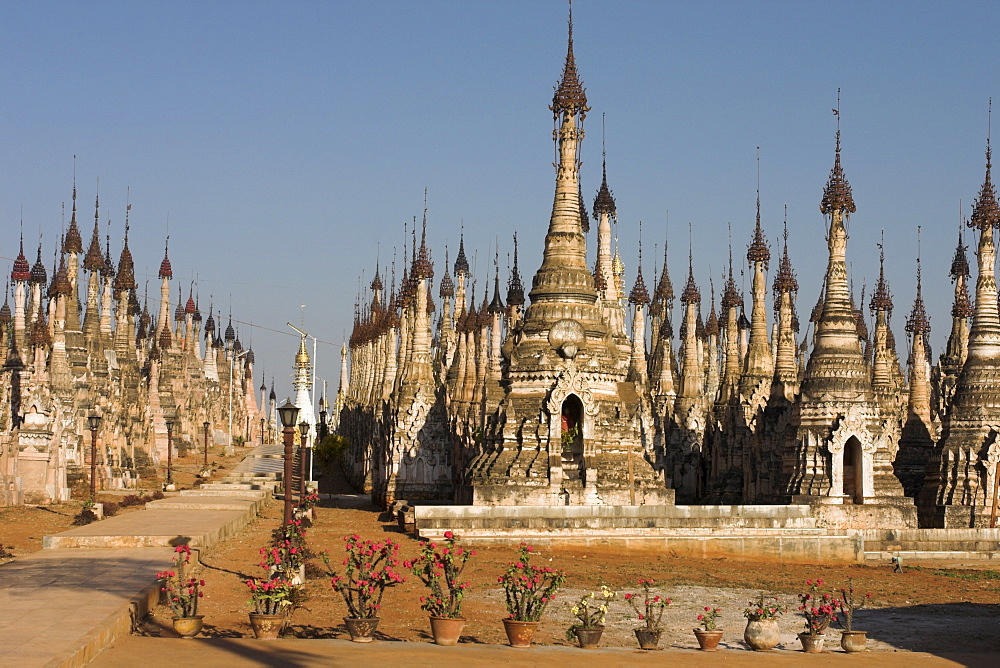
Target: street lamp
232, 363
289, 413
170, 452
303, 453
94, 422
205, 425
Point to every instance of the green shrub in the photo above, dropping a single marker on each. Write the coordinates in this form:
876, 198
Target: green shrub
329, 450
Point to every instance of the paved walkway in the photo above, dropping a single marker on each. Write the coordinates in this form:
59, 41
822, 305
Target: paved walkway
63, 605
236, 653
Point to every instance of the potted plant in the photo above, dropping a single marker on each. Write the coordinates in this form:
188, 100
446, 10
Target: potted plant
271, 600
528, 589
369, 568
440, 569
182, 593
590, 612
709, 634
653, 607
850, 640
818, 610
307, 503
286, 556
762, 615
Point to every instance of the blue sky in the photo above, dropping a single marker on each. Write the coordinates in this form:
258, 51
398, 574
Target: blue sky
283, 144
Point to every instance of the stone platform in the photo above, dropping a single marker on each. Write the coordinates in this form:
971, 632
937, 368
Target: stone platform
761, 531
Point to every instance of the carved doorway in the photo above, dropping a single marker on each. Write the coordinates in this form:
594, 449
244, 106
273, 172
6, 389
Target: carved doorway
571, 433
853, 471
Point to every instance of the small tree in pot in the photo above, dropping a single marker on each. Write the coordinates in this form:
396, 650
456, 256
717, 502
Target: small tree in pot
440, 568
369, 569
651, 612
819, 610
709, 634
590, 612
847, 605
528, 589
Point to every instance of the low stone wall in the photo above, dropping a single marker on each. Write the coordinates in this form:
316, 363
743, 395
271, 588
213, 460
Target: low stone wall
786, 533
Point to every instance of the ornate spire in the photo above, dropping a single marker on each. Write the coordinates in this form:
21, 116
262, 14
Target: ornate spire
664, 293
179, 311
190, 306
125, 280
639, 296
960, 263
730, 295
515, 288
712, 325
986, 212
422, 267
691, 294
496, 304
758, 251
210, 323
38, 273
22, 270
108, 271
165, 269
5, 316
785, 280
72, 243
570, 96
461, 262
837, 193
881, 297
918, 323
604, 203
93, 260
447, 288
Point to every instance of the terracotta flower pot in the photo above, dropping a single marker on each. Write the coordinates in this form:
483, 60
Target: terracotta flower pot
853, 641
812, 643
708, 641
188, 627
589, 638
447, 631
762, 634
267, 627
519, 634
361, 629
648, 638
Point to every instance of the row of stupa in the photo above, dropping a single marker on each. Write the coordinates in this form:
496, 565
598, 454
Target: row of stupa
68, 358
570, 401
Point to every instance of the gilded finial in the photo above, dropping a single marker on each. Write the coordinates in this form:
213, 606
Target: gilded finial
918, 322
639, 295
986, 212
837, 193
691, 294
570, 95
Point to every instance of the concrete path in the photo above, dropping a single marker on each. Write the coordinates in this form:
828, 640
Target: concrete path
294, 653
88, 586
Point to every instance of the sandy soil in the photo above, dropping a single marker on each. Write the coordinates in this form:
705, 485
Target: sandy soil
924, 609
23, 527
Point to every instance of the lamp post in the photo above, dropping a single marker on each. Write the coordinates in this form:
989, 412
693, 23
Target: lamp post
289, 413
205, 425
303, 453
94, 422
170, 452
232, 363
262, 431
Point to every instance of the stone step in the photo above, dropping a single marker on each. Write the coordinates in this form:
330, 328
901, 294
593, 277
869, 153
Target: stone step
207, 502
155, 528
237, 487
227, 491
